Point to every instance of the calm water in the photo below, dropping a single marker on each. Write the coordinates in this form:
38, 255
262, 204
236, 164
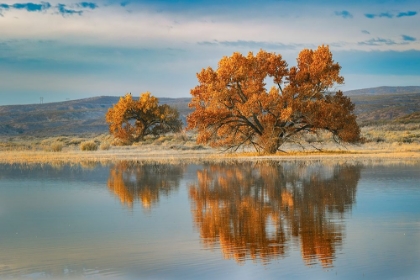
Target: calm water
215, 221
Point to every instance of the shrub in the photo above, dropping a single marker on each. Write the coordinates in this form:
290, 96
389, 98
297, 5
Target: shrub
75, 141
56, 146
105, 146
181, 136
160, 140
88, 146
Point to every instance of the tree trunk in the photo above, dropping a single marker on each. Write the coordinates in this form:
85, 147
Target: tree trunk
272, 145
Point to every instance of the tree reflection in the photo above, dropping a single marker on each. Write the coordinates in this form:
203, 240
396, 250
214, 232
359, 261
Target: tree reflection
131, 182
256, 210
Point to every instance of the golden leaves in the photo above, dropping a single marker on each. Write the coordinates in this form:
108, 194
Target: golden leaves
131, 120
233, 106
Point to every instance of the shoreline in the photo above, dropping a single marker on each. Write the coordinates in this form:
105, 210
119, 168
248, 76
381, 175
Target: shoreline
162, 155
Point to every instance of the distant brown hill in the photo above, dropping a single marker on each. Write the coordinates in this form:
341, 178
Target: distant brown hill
410, 118
88, 115
387, 107
383, 91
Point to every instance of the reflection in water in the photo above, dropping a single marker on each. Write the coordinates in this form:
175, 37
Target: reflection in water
255, 210
130, 182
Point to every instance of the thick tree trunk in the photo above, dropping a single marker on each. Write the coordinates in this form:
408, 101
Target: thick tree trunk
272, 145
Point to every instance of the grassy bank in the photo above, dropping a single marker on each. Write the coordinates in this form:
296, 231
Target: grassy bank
384, 141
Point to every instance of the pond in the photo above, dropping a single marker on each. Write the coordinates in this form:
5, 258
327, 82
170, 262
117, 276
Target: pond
241, 220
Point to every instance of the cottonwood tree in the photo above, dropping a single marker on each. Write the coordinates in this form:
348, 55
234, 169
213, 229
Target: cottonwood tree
233, 107
130, 120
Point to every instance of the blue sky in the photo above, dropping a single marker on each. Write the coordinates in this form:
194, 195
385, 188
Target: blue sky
64, 49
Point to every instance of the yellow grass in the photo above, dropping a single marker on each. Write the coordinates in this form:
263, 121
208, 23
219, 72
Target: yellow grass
159, 153
181, 147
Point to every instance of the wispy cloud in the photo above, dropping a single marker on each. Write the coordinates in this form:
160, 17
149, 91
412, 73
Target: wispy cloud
389, 15
344, 14
62, 9
365, 32
378, 42
124, 3
30, 7
408, 38
87, 5
381, 15
388, 42
253, 44
407, 14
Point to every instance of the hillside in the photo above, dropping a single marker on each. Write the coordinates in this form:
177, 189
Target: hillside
383, 91
385, 108
88, 115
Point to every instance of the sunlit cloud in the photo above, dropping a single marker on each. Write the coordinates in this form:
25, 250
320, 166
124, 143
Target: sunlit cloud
138, 42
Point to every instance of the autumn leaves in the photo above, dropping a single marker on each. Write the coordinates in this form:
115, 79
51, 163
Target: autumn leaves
233, 107
130, 120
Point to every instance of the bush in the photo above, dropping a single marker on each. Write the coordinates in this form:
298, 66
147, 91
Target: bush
160, 140
88, 146
105, 146
56, 146
75, 141
181, 136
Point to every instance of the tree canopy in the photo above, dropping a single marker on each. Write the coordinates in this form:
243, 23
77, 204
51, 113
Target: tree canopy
233, 107
131, 120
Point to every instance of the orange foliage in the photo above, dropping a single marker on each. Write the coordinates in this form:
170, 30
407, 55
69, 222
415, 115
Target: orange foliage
233, 107
131, 120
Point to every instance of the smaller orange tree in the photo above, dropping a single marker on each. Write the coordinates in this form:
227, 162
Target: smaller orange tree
131, 120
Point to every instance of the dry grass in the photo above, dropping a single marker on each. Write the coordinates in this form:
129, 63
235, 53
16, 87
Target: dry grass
105, 146
56, 146
392, 133
181, 146
88, 146
161, 154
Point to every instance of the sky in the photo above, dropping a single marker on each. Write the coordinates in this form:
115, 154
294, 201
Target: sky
63, 50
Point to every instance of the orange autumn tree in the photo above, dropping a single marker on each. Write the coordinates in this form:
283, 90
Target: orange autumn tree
233, 107
130, 120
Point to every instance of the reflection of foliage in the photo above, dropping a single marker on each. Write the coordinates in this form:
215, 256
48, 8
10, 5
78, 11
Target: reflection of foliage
255, 210
131, 181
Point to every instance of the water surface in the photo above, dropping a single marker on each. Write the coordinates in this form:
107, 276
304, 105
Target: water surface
249, 220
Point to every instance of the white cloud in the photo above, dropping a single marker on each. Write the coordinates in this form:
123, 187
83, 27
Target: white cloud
146, 27
152, 47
